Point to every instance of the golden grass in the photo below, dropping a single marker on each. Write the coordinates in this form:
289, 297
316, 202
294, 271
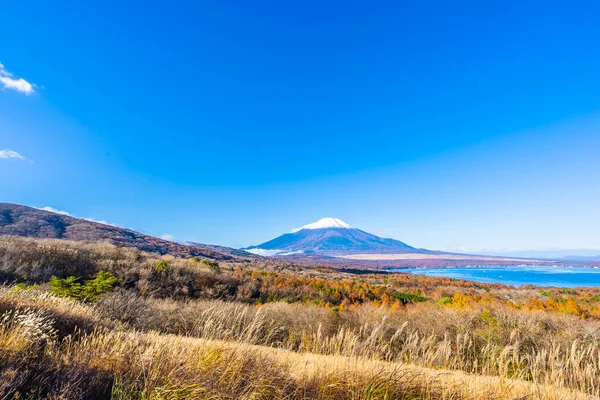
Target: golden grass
38, 362
557, 350
278, 373
150, 340
154, 366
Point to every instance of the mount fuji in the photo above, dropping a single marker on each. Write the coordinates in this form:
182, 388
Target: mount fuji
331, 237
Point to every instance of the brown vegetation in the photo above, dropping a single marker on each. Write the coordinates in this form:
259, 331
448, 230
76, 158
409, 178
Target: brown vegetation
183, 328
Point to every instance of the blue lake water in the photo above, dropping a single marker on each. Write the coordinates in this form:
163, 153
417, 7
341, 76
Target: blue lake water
517, 275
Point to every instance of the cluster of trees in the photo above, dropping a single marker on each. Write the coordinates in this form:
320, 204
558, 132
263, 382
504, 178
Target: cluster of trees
324, 290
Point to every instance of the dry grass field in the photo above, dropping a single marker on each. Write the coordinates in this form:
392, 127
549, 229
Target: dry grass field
174, 328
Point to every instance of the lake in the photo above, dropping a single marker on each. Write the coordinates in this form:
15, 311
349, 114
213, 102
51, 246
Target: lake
517, 275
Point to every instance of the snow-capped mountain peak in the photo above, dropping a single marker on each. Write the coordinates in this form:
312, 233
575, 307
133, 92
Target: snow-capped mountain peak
325, 223
331, 237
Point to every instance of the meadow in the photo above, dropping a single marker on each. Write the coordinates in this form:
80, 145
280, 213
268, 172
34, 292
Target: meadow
89, 320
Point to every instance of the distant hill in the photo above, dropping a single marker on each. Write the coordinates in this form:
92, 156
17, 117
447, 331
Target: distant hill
582, 258
332, 237
18, 220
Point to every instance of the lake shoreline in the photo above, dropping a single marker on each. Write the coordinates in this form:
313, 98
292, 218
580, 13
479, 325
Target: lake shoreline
520, 275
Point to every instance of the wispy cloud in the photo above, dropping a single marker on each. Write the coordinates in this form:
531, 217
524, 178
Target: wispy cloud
20, 85
264, 253
68, 214
7, 154
55, 211
168, 236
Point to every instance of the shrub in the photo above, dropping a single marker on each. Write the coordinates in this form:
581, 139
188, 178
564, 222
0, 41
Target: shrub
406, 298
162, 266
89, 291
569, 291
486, 316
23, 286
213, 265
444, 301
461, 300
125, 306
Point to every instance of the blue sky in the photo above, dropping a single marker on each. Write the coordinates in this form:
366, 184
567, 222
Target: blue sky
448, 125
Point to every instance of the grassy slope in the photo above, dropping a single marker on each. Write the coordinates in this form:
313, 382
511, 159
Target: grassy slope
122, 364
191, 332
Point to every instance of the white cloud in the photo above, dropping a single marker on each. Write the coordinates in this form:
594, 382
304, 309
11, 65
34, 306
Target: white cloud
68, 214
18, 84
98, 221
55, 211
168, 236
6, 154
264, 252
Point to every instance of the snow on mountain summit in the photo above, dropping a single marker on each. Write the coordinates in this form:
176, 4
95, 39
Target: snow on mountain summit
331, 237
324, 223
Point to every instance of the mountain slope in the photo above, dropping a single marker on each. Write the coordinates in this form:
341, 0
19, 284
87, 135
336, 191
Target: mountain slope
18, 220
331, 236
